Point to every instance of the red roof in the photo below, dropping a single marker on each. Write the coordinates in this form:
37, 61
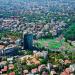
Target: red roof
0, 71
67, 61
1, 46
63, 73
66, 72
34, 70
11, 66
44, 73
41, 67
12, 73
5, 69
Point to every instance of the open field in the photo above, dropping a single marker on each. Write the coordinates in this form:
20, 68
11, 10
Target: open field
54, 43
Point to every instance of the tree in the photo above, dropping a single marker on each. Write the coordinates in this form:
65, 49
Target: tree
43, 61
70, 33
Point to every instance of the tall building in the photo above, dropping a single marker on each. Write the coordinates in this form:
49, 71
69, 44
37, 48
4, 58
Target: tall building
28, 41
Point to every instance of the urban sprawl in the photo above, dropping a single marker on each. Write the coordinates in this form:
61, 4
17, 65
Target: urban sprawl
37, 37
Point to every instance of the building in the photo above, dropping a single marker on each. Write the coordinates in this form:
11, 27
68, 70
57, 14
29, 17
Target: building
28, 41
11, 50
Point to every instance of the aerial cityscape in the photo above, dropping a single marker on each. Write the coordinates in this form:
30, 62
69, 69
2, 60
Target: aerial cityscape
37, 37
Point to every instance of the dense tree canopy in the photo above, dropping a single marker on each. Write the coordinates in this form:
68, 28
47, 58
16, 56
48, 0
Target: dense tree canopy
70, 33
6, 33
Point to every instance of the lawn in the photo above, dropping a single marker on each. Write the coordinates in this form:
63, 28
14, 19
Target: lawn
53, 43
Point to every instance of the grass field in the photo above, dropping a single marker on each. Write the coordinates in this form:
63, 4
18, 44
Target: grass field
54, 43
